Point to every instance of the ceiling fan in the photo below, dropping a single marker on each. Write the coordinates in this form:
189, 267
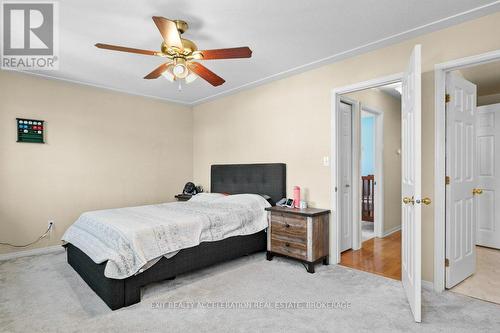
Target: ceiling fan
182, 54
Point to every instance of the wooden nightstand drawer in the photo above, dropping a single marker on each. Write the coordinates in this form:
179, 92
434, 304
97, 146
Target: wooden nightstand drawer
292, 249
290, 217
289, 229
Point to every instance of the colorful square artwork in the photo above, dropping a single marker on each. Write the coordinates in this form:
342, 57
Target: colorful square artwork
30, 130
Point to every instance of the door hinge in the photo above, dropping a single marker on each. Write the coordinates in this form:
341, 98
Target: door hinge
447, 98
447, 180
447, 262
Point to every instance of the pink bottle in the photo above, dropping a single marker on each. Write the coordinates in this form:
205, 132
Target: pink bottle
296, 196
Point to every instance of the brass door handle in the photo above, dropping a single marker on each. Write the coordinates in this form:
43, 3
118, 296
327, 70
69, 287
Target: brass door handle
407, 200
477, 191
426, 201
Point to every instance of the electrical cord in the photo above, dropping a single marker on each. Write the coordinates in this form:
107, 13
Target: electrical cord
38, 239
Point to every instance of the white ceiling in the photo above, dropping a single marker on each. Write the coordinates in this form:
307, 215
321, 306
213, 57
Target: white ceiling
286, 36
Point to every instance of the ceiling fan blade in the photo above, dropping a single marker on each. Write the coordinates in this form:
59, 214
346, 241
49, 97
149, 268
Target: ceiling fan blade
126, 49
168, 30
158, 71
206, 74
235, 52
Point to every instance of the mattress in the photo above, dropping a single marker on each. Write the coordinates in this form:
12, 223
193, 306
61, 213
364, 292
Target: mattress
131, 239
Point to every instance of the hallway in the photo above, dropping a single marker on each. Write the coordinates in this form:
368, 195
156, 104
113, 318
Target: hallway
380, 256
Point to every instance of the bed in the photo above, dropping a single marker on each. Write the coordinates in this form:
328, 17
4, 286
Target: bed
269, 179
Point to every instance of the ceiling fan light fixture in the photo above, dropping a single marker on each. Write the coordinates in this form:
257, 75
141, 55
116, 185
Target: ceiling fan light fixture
168, 74
180, 69
191, 77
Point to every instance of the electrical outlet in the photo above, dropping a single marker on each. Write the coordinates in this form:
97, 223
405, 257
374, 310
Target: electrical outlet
50, 226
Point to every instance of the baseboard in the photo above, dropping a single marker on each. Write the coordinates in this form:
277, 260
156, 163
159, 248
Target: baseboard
392, 230
428, 285
34, 252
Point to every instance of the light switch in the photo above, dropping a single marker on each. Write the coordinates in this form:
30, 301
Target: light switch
326, 161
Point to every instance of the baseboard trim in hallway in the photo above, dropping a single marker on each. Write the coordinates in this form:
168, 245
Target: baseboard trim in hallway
392, 230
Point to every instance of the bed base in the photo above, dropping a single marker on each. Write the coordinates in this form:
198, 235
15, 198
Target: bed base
124, 292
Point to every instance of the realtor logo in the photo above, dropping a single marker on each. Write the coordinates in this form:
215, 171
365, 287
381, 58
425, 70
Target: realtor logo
29, 35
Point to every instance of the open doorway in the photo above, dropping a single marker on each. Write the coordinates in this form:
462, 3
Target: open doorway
411, 178
370, 125
473, 181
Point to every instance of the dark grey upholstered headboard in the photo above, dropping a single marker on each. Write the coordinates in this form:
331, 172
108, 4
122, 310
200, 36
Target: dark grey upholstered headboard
267, 179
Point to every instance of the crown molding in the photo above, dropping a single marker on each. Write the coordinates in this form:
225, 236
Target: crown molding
93, 85
384, 42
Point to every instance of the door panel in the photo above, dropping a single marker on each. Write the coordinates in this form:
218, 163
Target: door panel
345, 184
411, 183
461, 204
488, 169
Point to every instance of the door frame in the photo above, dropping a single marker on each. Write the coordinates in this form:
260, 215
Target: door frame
378, 225
440, 71
334, 229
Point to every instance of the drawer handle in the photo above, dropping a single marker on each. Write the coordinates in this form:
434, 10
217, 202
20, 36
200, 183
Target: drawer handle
287, 225
287, 244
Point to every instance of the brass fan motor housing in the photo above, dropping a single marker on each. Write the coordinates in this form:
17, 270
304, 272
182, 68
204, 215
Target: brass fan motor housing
181, 25
188, 45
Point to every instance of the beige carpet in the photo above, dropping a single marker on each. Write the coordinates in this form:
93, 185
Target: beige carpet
44, 294
485, 283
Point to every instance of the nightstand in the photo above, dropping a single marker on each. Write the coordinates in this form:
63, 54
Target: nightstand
301, 234
183, 197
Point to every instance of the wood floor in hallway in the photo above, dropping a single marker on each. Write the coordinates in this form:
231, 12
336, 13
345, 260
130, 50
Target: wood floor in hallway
380, 256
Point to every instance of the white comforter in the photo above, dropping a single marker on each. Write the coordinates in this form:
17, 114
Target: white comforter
128, 238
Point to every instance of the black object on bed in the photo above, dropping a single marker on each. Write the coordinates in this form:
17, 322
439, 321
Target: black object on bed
269, 179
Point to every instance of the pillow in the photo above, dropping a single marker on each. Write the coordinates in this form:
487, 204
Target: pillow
205, 197
246, 199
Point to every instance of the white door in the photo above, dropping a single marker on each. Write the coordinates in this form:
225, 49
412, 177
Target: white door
460, 201
411, 183
345, 184
488, 169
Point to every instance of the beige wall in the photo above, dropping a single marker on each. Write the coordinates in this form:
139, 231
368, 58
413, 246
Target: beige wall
391, 107
289, 120
104, 149
488, 99
487, 92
